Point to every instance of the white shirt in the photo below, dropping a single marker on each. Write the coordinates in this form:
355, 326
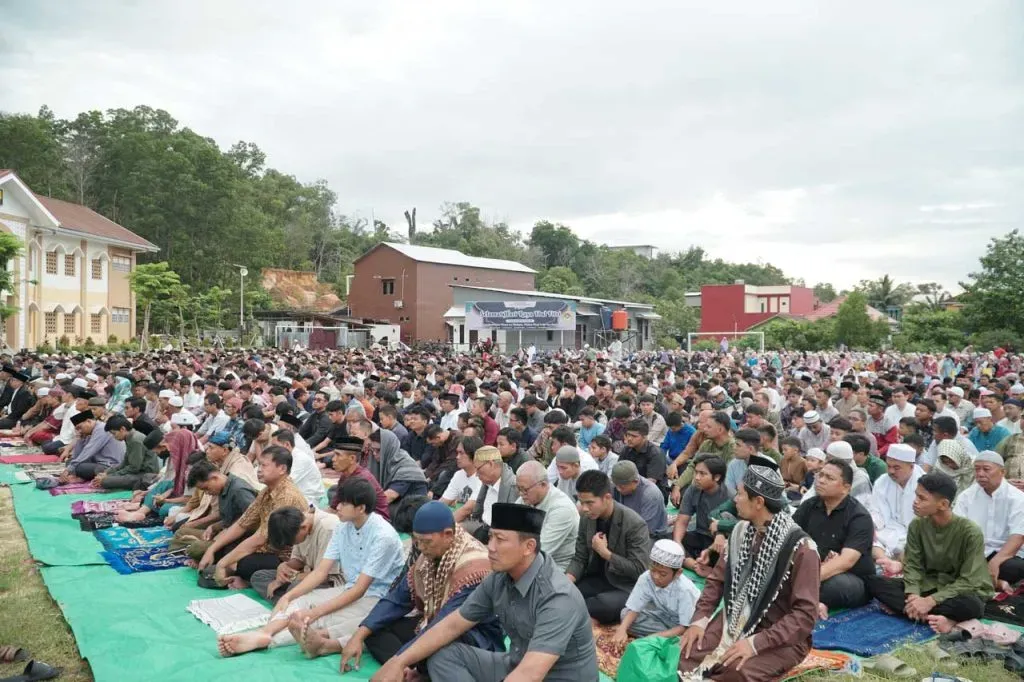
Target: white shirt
1012, 427
462, 488
213, 423
999, 515
193, 402
893, 414
450, 420
587, 462
895, 507
305, 474
929, 456
67, 429
492, 497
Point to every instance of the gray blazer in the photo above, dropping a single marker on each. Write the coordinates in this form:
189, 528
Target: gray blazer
629, 541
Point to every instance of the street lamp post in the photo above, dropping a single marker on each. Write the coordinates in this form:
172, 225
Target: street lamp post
242, 272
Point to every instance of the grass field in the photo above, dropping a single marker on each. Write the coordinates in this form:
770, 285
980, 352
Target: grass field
33, 621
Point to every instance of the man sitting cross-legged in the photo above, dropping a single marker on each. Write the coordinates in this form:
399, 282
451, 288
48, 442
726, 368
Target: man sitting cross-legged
309, 533
945, 576
321, 620
443, 570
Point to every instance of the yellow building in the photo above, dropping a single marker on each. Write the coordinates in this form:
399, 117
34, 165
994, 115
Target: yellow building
72, 277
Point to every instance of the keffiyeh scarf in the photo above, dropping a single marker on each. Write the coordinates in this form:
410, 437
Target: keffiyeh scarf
433, 582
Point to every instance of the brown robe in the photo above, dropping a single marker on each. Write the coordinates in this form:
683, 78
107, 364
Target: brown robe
783, 637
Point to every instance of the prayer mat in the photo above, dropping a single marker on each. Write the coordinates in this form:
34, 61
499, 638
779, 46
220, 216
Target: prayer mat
94, 522
143, 559
79, 507
1007, 608
76, 489
868, 631
29, 459
12, 442
817, 660
608, 655
229, 615
129, 538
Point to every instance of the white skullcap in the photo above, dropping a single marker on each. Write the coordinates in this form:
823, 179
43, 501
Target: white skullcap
816, 453
981, 413
80, 382
989, 456
716, 390
61, 376
840, 450
902, 453
176, 401
812, 417
667, 553
91, 377
957, 391
42, 392
166, 393
1017, 389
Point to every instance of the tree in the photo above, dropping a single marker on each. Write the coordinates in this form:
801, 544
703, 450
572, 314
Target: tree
825, 292
884, 293
933, 295
152, 282
854, 327
560, 280
677, 319
10, 248
557, 243
994, 298
926, 329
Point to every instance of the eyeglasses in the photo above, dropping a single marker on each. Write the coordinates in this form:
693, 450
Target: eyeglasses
523, 491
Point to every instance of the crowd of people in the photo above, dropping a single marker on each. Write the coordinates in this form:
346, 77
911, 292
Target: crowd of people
547, 494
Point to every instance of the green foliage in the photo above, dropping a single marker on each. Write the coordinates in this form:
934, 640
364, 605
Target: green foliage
677, 319
153, 282
927, 329
825, 292
560, 280
557, 243
854, 327
10, 248
781, 333
884, 293
994, 298
1009, 339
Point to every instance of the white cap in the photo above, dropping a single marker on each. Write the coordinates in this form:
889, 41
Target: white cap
981, 413
990, 456
61, 376
166, 393
1017, 389
91, 377
42, 392
902, 453
957, 391
80, 382
176, 401
811, 417
840, 450
184, 418
816, 453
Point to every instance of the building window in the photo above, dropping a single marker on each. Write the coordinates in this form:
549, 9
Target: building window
551, 335
51, 263
95, 324
70, 327
120, 315
97, 268
121, 263
51, 323
69, 265
388, 287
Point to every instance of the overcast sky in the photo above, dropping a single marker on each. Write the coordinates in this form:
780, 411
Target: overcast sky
838, 140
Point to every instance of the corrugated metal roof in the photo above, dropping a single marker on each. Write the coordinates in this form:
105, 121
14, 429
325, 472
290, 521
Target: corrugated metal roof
431, 254
545, 294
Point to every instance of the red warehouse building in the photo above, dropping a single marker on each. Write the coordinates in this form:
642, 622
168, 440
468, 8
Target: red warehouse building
738, 307
410, 285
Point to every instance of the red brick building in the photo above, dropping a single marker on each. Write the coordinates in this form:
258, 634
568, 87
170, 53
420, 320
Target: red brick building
410, 285
738, 307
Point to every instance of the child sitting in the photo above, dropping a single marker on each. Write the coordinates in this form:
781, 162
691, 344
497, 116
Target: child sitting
663, 599
814, 459
793, 467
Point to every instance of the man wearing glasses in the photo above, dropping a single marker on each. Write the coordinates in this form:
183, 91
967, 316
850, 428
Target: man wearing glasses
561, 520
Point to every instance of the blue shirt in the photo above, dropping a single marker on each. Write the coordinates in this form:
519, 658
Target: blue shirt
672, 604
676, 441
734, 474
586, 435
374, 550
988, 441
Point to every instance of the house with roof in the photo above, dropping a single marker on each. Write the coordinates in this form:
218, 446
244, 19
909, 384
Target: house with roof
408, 285
72, 277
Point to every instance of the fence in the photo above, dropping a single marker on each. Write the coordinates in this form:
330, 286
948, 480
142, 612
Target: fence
321, 338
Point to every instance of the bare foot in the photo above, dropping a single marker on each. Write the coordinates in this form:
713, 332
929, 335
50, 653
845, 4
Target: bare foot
941, 624
129, 516
233, 645
316, 643
298, 629
822, 611
236, 583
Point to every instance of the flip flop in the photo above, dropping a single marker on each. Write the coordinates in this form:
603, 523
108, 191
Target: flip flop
1014, 664
34, 672
971, 648
939, 654
888, 665
943, 677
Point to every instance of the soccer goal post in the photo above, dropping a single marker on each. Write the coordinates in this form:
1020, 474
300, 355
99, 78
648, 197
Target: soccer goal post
742, 340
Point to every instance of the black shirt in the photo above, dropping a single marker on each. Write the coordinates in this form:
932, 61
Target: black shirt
848, 526
650, 463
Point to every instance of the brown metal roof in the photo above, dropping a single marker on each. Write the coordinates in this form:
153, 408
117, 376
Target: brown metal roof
83, 219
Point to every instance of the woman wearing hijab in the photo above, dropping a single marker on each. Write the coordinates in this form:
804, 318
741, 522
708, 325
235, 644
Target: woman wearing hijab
169, 490
952, 459
122, 392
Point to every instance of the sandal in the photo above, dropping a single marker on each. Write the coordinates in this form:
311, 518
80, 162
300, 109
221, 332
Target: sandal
888, 665
938, 654
34, 672
1014, 664
11, 654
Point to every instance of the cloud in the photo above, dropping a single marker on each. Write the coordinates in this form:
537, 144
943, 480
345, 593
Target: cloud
812, 135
